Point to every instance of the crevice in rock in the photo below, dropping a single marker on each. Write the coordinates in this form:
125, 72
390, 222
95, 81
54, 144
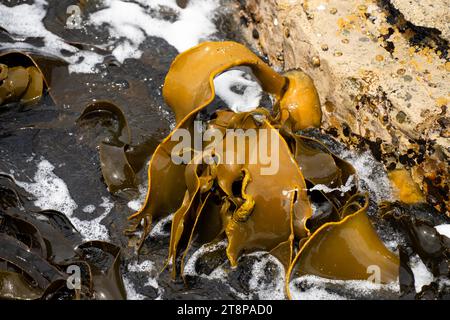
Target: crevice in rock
417, 35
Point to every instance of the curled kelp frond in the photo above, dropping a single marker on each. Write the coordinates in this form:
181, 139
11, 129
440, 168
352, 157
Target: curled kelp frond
345, 249
188, 93
117, 170
257, 213
300, 105
40, 251
21, 79
305, 202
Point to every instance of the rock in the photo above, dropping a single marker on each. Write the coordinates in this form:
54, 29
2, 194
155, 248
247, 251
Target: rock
426, 13
380, 77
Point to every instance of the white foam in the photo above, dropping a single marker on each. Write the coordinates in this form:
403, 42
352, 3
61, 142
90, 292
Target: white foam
26, 20
128, 24
444, 229
220, 273
343, 189
158, 229
144, 266
52, 193
192, 25
316, 292
238, 79
90, 208
371, 173
148, 267
422, 276
131, 290
93, 229
136, 204
273, 290
189, 268
317, 288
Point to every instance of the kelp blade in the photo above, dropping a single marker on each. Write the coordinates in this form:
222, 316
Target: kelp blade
346, 250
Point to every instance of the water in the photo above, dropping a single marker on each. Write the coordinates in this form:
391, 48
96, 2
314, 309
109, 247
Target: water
124, 58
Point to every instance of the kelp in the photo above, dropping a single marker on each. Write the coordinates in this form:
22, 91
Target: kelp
345, 249
309, 213
38, 250
432, 247
417, 224
406, 189
21, 79
118, 172
121, 158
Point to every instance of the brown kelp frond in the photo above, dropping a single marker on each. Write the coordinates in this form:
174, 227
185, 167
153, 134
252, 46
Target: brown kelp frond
275, 216
187, 93
118, 172
21, 78
41, 250
345, 249
219, 189
300, 105
189, 83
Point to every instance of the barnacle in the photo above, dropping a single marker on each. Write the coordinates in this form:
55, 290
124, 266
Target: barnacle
21, 79
253, 207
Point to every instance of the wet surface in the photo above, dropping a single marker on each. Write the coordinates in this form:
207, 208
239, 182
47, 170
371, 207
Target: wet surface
49, 131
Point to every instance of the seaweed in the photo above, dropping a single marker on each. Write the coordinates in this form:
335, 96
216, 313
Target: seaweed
38, 250
215, 199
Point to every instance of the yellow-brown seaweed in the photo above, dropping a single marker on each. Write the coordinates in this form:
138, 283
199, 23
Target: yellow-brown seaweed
254, 211
345, 250
21, 80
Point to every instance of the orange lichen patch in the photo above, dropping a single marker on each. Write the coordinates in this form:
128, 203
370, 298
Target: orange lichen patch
441, 101
416, 65
350, 22
384, 30
447, 66
379, 58
407, 190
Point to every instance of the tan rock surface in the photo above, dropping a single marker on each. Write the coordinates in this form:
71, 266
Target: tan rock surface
378, 75
427, 13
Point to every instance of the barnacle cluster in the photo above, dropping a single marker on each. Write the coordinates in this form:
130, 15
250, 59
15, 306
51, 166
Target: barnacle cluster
309, 230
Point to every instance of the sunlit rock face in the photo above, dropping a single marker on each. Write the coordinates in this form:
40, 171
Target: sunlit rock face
381, 69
